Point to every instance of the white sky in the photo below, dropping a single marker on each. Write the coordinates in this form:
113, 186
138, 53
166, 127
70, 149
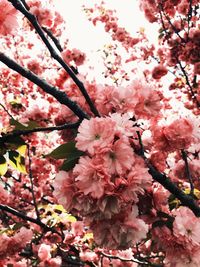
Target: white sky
85, 36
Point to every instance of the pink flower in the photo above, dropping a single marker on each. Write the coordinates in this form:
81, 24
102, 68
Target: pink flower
124, 99
64, 188
159, 71
22, 237
88, 256
120, 156
94, 134
45, 16
124, 126
8, 18
138, 179
44, 252
186, 226
91, 177
149, 104
177, 135
120, 233
77, 228
104, 98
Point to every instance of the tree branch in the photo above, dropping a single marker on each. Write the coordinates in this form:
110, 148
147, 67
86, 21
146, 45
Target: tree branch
46, 87
5, 109
129, 260
27, 218
53, 38
188, 82
16, 133
187, 170
33, 20
186, 200
32, 185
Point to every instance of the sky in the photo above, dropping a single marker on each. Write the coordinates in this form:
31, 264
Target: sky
89, 39
86, 37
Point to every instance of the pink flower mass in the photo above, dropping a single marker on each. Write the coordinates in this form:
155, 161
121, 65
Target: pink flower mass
99, 133
8, 18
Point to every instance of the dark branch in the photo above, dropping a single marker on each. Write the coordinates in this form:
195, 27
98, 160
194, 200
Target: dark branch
143, 263
53, 38
27, 218
46, 87
33, 20
188, 82
187, 170
32, 185
16, 133
186, 200
5, 109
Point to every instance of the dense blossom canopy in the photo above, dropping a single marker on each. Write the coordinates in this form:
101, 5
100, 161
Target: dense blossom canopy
99, 174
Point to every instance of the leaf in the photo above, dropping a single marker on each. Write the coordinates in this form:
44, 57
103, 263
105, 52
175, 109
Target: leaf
3, 166
17, 226
59, 209
56, 214
19, 126
32, 125
88, 236
17, 161
64, 151
69, 163
22, 150
16, 104
196, 192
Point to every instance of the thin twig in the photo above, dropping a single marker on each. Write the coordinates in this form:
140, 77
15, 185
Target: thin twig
32, 185
170, 23
5, 109
189, 16
53, 38
188, 82
187, 170
129, 260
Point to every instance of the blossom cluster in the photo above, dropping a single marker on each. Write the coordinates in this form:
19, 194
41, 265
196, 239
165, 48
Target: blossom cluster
105, 184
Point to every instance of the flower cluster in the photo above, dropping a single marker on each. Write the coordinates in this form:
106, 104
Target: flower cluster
107, 181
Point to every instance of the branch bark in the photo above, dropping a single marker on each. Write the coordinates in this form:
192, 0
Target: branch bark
16, 133
27, 218
46, 87
161, 178
33, 20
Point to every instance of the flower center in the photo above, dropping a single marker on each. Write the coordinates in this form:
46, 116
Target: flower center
112, 155
97, 137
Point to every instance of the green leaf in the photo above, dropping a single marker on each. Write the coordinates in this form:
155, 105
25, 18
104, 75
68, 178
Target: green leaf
64, 151
69, 163
19, 126
3, 166
17, 226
